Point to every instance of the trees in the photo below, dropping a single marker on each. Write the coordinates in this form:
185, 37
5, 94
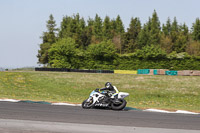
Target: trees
43, 57
107, 29
182, 39
175, 37
174, 31
96, 42
166, 43
193, 48
50, 35
64, 28
166, 28
150, 33
196, 30
48, 39
143, 37
131, 35
154, 30
119, 25
117, 31
98, 27
74, 27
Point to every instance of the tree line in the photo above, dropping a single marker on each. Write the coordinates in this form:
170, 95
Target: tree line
99, 43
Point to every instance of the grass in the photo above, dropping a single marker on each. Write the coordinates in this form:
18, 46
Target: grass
161, 92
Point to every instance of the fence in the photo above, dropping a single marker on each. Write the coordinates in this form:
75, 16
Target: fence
139, 71
73, 70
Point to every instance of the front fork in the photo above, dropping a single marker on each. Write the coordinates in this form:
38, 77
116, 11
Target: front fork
91, 100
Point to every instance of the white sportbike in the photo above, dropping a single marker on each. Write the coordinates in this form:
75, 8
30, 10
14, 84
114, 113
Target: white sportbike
105, 100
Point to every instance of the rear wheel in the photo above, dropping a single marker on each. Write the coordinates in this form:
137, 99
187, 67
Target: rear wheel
87, 104
119, 104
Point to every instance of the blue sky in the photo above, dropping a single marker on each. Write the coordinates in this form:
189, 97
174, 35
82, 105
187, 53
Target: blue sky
23, 21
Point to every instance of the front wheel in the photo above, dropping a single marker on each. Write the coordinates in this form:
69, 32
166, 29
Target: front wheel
86, 104
119, 104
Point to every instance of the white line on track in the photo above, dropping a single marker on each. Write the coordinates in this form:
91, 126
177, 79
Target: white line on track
9, 100
178, 111
67, 104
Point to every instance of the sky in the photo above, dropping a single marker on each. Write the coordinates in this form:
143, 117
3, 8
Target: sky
22, 22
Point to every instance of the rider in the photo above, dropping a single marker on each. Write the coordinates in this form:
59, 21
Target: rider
111, 91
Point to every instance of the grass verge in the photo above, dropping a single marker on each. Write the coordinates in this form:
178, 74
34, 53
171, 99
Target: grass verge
161, 92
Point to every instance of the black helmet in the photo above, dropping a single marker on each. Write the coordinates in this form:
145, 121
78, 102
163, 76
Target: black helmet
108, 85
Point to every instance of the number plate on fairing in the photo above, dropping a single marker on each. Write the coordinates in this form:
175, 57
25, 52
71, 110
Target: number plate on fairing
101, 104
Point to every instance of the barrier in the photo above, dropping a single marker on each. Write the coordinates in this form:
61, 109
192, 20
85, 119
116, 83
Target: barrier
143, 71
162, 71
125, 71
73, 70
189, 73
52, 69
196, 73
171, 72
155, 72
184, 73
139, 71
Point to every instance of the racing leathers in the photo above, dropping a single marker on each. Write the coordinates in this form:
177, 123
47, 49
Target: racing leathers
112, 92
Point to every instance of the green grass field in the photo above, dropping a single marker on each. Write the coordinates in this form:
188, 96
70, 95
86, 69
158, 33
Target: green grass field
161, 92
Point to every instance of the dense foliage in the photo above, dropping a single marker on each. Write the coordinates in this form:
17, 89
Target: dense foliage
105, 44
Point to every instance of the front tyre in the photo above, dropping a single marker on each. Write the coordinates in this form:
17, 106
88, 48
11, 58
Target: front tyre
86, 104
119, 105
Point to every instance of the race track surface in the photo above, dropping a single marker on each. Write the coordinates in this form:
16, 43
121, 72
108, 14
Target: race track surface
16, 113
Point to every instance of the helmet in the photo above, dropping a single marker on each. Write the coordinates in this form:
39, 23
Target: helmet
108, 85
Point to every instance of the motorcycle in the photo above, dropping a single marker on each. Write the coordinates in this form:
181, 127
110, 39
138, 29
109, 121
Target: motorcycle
105, 100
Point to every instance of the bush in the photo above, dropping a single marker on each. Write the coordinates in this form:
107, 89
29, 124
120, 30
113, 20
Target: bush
134, 63
151, 52
64, 54
101, 55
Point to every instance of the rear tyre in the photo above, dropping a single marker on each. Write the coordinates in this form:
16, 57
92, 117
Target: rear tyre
86, 104
121, 104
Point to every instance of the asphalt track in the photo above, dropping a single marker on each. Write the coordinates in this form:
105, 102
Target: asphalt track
32, 118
